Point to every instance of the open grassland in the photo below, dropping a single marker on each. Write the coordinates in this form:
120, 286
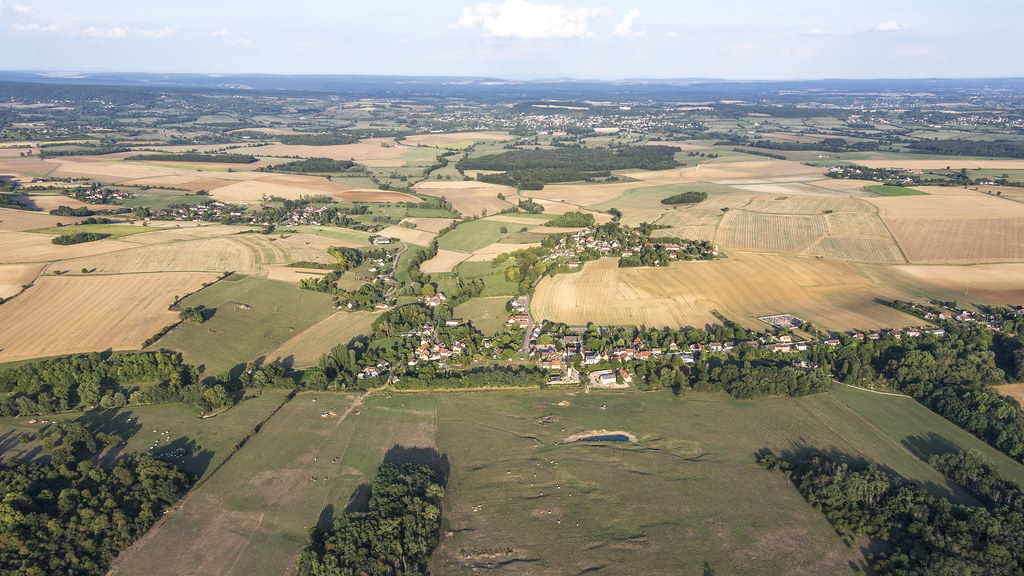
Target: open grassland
254, 515
832, 294
470, 198
686, 497
921, 431
306, 347
487, 314
14, 276
61, 314
744, 230
445, 261
251, 317
430, 224
473, 235
495, 283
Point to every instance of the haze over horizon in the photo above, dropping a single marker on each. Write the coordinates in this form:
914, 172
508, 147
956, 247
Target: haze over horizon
520, 39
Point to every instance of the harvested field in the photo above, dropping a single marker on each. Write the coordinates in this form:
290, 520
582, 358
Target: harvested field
45, 203
369, 152
14, 276
61, 314
27, 168
30, 247
410, 235
1015, 391
956, 240
339, 328
253, 191
872, 250
469, 198
807, 205
21, 220
430, 224
454, 140
362, 195
769, 232
994, 283
706, 233
445, 261
289, 274
831, 294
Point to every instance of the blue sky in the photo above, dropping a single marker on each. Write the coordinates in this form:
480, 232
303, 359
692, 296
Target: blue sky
731, 39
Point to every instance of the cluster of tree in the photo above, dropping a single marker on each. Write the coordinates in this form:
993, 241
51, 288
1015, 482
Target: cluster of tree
363, 298
529, 206
759, 153
427, 377
959, 147
531, 169
78, 238
69, 211
572, 220
400, 320
525, 267
12, 201
834, 145
64, 517
970, 470
894, 176
924, 535
196, 157
94, 220
395, 535
347, 258
690, 197
83, 150
333, 139
310, 166
88, 380
195, 315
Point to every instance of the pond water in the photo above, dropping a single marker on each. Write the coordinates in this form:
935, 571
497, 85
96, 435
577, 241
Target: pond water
605, 438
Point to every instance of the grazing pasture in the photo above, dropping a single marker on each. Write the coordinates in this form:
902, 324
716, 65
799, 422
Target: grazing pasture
831, 294
91, 313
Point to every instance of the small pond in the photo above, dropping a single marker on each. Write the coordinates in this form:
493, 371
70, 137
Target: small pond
605, 438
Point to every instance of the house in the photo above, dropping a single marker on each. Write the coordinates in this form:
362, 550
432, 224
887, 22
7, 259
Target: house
452, 322
833, 342
381, 306
591, 358
605, 379
518, 320
380, 240
625, 376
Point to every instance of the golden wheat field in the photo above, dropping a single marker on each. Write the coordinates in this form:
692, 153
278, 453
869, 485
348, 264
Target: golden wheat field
21, 220
429, 224
988, 283
831, 294
21, 247
454, 139
14, 276
91, 313
445, 261
469, 198
410, 235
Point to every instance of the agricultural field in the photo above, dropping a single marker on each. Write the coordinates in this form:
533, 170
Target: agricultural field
470, 198
306, 347
894, 191
252, 317
91, 313
410, 235
445, 261
471, 236
454, 140
995, 284
14, 276
21, 220
744, 230
832, 294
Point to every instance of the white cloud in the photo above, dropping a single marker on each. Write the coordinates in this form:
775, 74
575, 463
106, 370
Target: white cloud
33, 27
890, 26
165, 32
522, 19
222, 32
817, 32
914, 51
673, 35
114, 32
625, 27
22, 9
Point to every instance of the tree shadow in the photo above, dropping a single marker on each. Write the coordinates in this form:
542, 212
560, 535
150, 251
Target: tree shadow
929, 444
359, 501
326, 519
399, 455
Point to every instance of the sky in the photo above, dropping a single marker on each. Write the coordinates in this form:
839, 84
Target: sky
521, 39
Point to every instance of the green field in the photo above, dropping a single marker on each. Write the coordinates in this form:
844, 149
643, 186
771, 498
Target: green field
893, 191
475, 234
495, 283
252, 317
114, 230
254, 515
346, 234
487, 314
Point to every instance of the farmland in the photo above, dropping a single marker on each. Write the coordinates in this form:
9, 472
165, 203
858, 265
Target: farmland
832, 294
78, 314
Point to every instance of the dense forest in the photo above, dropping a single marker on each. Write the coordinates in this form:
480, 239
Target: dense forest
310, 166
74, 518
691, 197
196, 157
924, 535
396, 535
78, 238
